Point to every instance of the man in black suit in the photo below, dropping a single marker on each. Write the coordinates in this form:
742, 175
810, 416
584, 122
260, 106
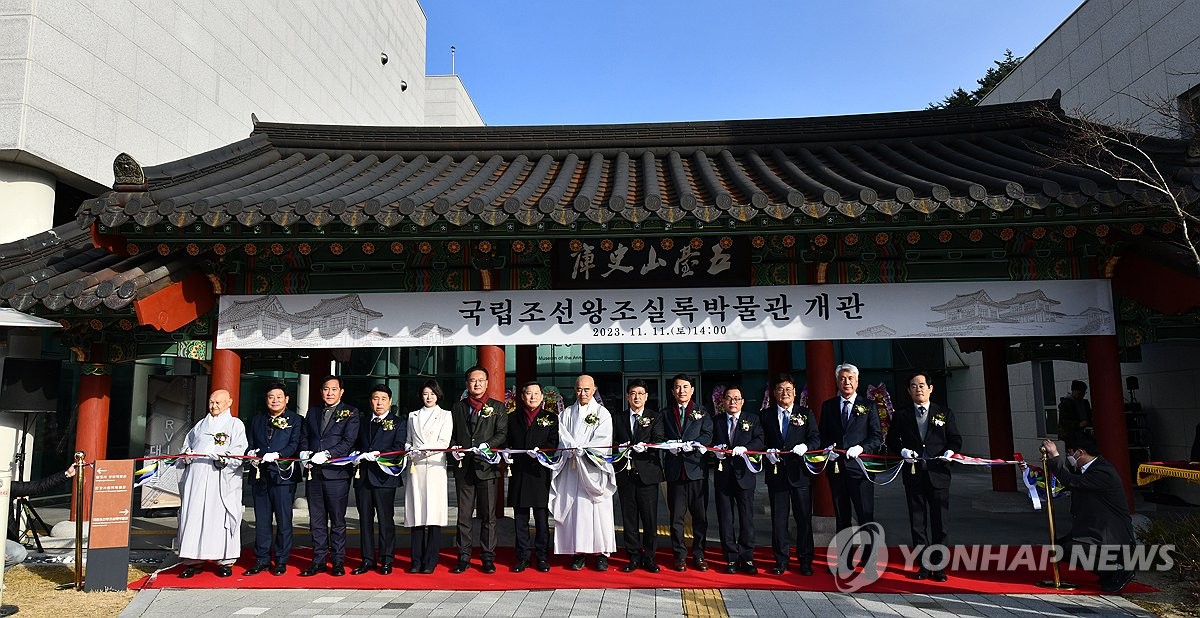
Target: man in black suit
1074, 412
688, 422
531, 426
479, 421
734, 482
639, 476
375, 489
1099, 506
790, 428
925, 435
328, 432
852, 423
273, 435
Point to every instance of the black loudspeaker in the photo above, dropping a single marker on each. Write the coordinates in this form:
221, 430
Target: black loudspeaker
30, 385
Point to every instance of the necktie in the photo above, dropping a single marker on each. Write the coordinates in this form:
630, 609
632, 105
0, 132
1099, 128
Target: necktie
633, 424
784, 421
732, 426
326, 418
845, 413
679, 416
922, 421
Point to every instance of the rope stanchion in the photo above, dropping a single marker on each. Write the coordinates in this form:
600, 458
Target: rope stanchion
1057, 582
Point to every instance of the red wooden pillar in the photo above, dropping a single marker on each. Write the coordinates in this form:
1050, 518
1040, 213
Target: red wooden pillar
526, 364
318, 368
999, 412
821, 385
227, 374
91, 428
491, 357
1108, 405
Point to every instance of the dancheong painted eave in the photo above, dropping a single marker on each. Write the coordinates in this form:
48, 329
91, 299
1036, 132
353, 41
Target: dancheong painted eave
558, 178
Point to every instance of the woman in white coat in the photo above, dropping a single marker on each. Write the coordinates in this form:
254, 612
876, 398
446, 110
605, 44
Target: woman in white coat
426, 494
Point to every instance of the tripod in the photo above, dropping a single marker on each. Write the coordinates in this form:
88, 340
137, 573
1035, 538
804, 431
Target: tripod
24, 507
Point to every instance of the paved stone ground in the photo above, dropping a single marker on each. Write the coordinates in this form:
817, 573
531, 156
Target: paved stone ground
171, 603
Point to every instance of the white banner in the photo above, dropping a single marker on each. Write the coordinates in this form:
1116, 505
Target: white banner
769, 313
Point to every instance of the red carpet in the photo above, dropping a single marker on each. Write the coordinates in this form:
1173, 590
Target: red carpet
894, 579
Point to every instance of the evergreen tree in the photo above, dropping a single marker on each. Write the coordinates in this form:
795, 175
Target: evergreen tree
993, 76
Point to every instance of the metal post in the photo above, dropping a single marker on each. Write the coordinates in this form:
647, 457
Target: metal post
79, 521
1056, 583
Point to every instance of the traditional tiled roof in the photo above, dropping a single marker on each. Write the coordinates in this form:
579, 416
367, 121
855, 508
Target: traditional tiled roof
62, 270
966, 300
1024, 297
341, 304
791, 170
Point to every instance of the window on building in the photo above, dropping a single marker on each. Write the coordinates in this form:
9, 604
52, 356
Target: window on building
1047, 410
1189, 112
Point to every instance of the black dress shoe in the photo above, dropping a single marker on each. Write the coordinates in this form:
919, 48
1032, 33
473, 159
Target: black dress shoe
679, 565
414, 569
385, 569
939, 576
224, 570
578, 563
778, 569
313, 569
362, 568
731, 569
922, 573
749, 569
520, 566
806, 569
427, 570
601, 562
279, 569
338, 570
489, 567
543, 566
189, 572
701, 564
650, 565
1118, 581
631, 567
461, 567
258, 568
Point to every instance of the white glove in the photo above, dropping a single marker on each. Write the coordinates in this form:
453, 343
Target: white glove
908, 454
947, 455
738, 451
415, 453
269, 457
574, 452
531, 452
457, 453
640, 447
252, 452
214, 455
483, 446
686, 447
716, 450
320, 458
368, 456
773, 455
800, 449
854, 451
675, 450
185, 460
700, 447
305, 454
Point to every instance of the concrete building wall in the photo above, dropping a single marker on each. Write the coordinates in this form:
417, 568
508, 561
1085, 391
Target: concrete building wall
1111, 56
163, 80
447, 103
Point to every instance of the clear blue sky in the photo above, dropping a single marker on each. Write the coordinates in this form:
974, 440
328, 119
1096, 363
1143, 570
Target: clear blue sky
610, 61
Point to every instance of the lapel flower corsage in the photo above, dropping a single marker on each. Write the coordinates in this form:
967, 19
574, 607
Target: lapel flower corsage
797, 418
280, 422
696, 414
860, 410
388, 424
745, 425
644, 421
486, 412
939, 419
545, 421
343, 414
221, 439
592, 419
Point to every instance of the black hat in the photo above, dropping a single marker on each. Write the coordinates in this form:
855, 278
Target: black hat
1078, 385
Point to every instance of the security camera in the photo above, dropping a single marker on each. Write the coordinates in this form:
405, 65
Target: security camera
403, 85
383, 58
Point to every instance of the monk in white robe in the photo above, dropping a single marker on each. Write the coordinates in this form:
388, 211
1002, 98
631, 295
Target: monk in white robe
210, 516
581, 492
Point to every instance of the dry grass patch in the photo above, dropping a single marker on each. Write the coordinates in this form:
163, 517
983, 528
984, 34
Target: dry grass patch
31, 589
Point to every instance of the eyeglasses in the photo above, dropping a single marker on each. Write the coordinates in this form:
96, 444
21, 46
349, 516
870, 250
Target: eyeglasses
734, 399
